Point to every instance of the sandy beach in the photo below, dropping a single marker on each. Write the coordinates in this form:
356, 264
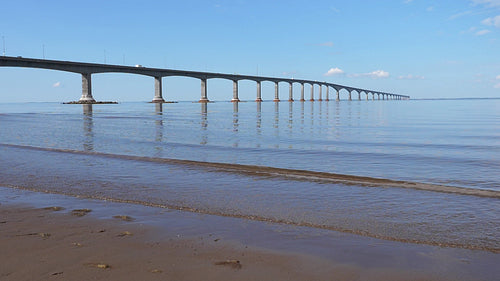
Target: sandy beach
99, 243
40, 244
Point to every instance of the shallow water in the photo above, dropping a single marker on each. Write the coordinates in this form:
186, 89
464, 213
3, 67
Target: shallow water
450, 142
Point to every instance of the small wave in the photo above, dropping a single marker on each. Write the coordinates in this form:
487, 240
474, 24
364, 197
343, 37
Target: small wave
293, 174
269, 220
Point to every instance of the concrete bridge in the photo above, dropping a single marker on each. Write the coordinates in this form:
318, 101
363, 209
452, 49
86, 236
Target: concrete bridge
87, 69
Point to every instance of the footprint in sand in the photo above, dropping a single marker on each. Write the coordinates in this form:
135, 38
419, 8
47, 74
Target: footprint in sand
125, 218
80, 212
235, 264
99, 265
125, 233
54, 208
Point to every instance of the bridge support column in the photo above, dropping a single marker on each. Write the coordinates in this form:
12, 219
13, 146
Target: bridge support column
87, 88
367, 96
158, 90
302, 92
235, 92
320, 93
359, 96
327, 93
276, 92
350, 95
312, 93
203, 98
259, 97
338, 95
290, 93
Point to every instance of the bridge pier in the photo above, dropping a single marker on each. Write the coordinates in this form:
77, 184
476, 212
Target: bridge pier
359, 95
320, 93
312, 93
203, 98
290, 92
338, 95
350, 95
158, 90
87, 88
302, 92
327, 93
259, 97
366, 96
235, 91
276, 92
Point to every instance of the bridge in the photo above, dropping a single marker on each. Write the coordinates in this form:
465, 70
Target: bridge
87, 69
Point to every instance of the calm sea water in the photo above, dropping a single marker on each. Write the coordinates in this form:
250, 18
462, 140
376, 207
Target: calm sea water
447, 142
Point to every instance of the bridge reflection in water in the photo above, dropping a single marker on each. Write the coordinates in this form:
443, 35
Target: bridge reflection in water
88, 126
168, 130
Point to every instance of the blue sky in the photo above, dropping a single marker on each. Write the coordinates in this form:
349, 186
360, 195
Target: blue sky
421, 48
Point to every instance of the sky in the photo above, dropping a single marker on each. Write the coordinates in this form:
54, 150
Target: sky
421, 48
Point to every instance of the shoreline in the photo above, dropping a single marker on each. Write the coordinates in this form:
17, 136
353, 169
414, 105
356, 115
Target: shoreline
393, 214
174, 245
282, 173
259, 219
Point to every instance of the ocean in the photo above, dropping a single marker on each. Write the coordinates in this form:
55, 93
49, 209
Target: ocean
415, 171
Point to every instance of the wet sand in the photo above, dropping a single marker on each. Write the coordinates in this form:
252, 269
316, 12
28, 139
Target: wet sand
38, 244
114, 242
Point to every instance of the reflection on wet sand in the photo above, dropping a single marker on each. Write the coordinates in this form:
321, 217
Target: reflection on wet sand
235, 123
158, 128
259, 120
204, 123
88, 124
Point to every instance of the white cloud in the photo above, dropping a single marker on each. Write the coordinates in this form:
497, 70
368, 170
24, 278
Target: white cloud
408, 1
335, 10
327, 44
458, 15
411, 77
430, 9
379, 74
373, 74
498, 77
57, 84
334, 71
494, 21
488, 3
482, 32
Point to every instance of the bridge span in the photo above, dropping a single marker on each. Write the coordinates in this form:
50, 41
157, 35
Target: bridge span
87, 69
